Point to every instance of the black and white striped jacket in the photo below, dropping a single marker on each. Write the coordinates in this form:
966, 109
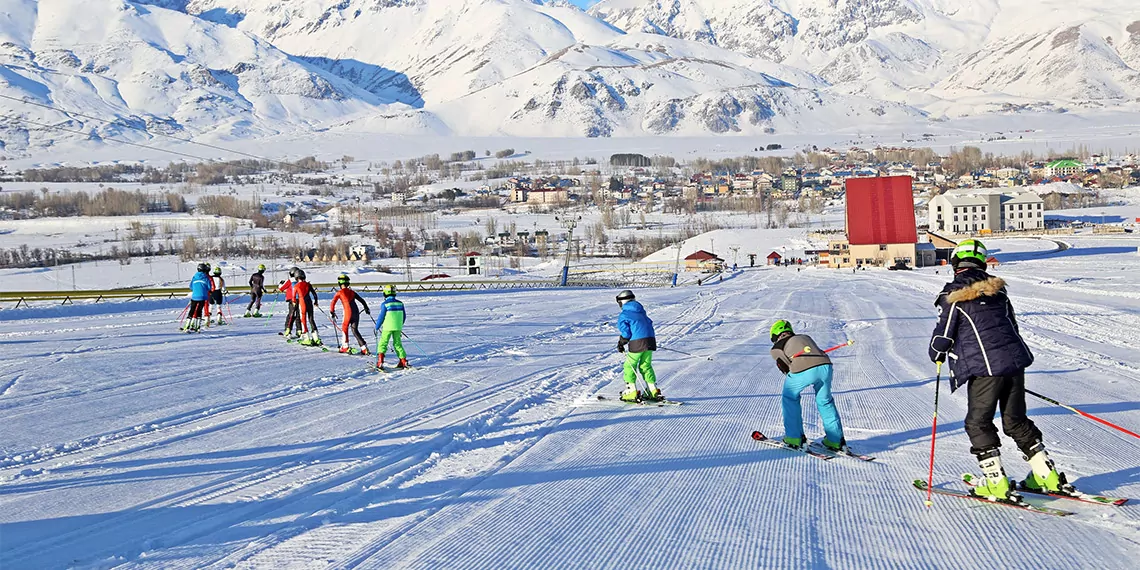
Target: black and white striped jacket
977, 330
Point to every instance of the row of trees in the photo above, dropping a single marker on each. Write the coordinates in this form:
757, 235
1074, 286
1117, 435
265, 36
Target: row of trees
107, 202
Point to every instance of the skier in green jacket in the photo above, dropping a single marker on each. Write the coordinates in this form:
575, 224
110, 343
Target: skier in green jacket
391, 327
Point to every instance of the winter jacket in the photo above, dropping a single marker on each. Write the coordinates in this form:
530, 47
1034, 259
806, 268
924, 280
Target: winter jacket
200, 287
797, 353
977, 330
635, 328
287, 287
256, 284
392, 315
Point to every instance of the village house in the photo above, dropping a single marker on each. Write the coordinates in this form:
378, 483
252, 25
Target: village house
704, 262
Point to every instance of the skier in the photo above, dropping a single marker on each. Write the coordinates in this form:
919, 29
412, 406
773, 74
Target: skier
199, 292
306, 298
391, 327
636, 330
348, 298
290, 303
256, 290
805, 364
217, 294
978, 332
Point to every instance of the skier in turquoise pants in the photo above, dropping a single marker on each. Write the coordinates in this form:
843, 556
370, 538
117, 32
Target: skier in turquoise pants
805, 364
391, 327
636, 330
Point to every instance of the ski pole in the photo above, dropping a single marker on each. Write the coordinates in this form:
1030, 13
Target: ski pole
416, 344
685, 353
807, 350
933, 435
1085, 414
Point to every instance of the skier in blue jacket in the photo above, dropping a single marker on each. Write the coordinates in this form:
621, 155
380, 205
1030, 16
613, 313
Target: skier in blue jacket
199, 293
636, 330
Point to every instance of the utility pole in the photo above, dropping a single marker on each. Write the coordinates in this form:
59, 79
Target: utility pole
569, 224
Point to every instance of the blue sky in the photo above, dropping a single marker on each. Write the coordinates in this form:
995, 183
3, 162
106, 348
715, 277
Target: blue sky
585, 3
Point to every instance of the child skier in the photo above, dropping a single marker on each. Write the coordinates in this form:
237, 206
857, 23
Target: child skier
636, 330
306, 298
391, 327
290, 304
199, 292
805, 364
217, 294
256, 290
348, 298
978, 332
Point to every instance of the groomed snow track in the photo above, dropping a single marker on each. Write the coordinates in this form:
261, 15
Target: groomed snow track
126, 444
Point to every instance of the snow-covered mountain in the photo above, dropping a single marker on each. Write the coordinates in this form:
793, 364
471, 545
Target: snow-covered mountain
249, 68
958, 56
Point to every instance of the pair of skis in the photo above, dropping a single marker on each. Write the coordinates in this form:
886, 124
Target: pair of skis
1021, 504
640, 402
812, 448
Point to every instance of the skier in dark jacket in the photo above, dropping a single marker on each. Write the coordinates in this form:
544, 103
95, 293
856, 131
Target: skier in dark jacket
256, 290
977, 333
636, 331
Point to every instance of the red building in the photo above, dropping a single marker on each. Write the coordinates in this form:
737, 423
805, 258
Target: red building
881, 228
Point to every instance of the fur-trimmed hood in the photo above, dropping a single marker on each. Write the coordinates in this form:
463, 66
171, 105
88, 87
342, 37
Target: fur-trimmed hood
989, 287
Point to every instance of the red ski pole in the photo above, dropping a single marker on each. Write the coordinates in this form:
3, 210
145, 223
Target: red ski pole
1085, 414
933, 436
836, 347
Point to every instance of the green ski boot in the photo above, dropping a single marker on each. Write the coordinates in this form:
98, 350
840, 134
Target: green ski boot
630, 394
993, 484
796, 442
1044, 477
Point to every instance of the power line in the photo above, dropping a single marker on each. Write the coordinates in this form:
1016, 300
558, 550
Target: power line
25, 101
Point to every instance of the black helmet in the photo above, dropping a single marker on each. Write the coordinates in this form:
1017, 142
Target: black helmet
624, 296
300, 274
293, 271
203, 268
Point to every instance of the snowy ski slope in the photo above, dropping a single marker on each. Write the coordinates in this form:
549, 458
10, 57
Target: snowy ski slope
128, 445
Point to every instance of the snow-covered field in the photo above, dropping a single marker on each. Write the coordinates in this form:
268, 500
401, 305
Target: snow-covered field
128, 445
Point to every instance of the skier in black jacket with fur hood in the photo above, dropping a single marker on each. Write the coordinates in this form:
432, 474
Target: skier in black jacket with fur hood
977, 333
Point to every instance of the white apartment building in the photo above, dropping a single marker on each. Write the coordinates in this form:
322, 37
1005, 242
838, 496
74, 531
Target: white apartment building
971, 210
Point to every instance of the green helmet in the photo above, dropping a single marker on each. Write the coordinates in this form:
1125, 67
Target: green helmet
217, 270
342, 279
780, 327
261, 268
389, 290
971, 251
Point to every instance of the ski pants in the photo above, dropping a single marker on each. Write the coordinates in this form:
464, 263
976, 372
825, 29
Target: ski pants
308, 320
639, 362
818, 377
390, 336
196, 309
292, 316
351, 322
984, 395
254, 298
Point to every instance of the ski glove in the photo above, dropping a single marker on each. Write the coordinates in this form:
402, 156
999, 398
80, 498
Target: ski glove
941, 345
621, 344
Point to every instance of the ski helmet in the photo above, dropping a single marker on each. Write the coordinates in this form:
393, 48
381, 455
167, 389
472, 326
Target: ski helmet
780, 327
389, 290
217, 270
293, 271
261, 268
342, 279
970, 252
203, 268
300, 275
624, 296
